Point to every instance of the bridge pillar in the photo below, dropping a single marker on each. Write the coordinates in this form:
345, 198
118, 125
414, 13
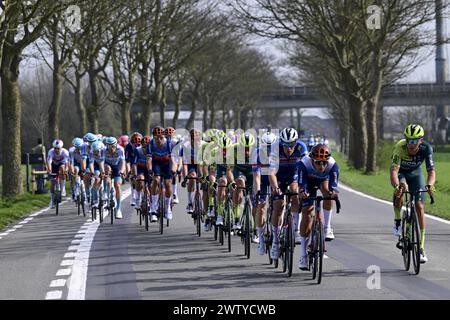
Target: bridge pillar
441, 73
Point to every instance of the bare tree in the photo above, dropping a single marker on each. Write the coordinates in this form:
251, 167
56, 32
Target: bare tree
24, 23
362, 60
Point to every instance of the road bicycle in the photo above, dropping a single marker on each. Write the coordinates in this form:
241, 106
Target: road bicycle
409, 240
316, 247
197, 215
287, 242
57, 193
246, 222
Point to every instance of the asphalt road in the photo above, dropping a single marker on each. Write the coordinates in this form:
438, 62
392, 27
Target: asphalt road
70, 257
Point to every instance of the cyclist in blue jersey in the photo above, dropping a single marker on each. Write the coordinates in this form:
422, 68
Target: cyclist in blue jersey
75, 164
284, 175
139, 168
322, 171
130, 152
97, 168
115, 164
161, 166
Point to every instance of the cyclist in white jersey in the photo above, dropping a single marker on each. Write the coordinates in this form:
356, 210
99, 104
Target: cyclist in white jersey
57, 163
89, 139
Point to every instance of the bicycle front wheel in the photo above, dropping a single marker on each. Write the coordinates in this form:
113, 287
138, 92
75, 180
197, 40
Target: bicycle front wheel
415, 241
247, 231
321, 247
289, 246
406, 252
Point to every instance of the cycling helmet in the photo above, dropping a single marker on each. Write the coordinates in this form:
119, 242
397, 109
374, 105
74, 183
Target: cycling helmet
77, 143
97, 146
320, 152
158, 131
90, 137
225, 142
268, 138
246, 140
289, 135
123, 140
145, 140
99, 137
58, 144
414, 131
111, 141
136, 138
169, 131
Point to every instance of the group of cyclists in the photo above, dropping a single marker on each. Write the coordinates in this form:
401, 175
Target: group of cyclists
264, 164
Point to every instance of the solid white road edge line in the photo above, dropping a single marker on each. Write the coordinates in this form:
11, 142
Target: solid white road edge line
342, 186
77, 281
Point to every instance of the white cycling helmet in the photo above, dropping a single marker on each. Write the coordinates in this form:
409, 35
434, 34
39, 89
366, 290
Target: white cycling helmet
268, 138
57, 144
97, 146
289, 135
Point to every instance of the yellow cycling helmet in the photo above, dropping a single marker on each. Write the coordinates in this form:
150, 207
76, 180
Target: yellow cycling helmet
414, 131
225, 142
246, 140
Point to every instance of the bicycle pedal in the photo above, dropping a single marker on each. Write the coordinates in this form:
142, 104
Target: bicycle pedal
399, 245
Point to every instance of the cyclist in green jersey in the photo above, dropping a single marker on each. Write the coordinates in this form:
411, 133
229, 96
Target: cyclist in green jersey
406, 173
242, 171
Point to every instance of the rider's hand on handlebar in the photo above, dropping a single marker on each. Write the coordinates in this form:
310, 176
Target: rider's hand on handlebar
183, 183
303, 194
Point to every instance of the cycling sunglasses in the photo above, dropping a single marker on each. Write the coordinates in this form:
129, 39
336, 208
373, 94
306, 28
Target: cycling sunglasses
289, 145
321, 162
412, 141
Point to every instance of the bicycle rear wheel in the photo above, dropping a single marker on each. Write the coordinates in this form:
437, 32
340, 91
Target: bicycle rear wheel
145, 213
78, 205
315, 250
415, 241
198, 213
406, 252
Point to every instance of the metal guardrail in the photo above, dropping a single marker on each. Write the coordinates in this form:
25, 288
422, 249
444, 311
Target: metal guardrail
393, 90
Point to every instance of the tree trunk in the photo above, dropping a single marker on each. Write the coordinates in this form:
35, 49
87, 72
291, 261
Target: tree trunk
237, 118
212, 122
191, 119
125, 115
178, 101
55, 105
94, 105
205, 114
11, 115
161, 100
371, 164
79, 95
146, 104
358, 135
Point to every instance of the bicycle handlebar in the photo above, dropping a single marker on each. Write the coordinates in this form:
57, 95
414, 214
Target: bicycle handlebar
419, 191
320, 198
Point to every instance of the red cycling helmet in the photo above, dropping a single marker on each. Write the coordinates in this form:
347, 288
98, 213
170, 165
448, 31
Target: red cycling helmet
320, 152
146, 140
136, 138
169, 132
158, 131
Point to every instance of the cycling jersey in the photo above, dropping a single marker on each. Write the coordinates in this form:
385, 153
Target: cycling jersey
75, 156
114, 158
410, 171
406, 162
161, 158
130, 150
140, 160
287, 166
309, 178
58, 159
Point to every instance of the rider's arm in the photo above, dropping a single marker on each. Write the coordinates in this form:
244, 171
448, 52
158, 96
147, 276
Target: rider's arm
394, 175
49, 161
431, 177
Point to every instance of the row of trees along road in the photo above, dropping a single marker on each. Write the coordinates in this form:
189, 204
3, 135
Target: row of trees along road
330, 42
126, 52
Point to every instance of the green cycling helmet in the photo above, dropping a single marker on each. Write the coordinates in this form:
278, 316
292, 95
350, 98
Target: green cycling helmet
414, 131
247, 140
